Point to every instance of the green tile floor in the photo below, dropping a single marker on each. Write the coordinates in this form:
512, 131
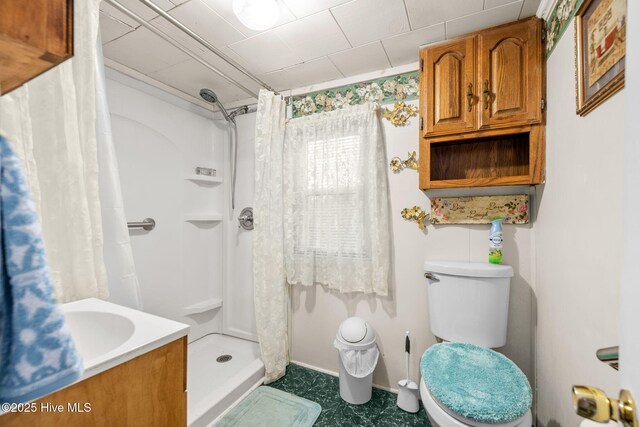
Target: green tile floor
380, 411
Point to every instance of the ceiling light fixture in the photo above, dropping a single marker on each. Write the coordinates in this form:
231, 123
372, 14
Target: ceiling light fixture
257, 15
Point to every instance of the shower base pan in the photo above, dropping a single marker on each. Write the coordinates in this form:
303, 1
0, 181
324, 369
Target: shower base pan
216, 381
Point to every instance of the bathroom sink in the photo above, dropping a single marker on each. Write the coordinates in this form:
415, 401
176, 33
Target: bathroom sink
97, 333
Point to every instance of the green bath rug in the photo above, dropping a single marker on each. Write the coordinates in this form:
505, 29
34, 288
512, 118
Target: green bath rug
269, 407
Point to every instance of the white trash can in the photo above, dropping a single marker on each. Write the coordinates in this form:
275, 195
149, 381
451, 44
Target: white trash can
358, 356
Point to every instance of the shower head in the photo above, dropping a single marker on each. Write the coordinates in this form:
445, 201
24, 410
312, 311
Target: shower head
211, 97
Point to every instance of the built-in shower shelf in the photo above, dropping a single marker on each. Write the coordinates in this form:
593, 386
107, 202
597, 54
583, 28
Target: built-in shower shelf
204, 179
202, 218
203, 306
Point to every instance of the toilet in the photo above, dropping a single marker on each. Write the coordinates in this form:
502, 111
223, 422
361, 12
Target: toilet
464, 382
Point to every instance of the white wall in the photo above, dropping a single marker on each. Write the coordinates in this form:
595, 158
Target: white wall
159, 141
578, 236
318, 312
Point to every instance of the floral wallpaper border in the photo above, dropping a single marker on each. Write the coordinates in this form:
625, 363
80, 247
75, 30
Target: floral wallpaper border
480, 209
558, 21
401, 87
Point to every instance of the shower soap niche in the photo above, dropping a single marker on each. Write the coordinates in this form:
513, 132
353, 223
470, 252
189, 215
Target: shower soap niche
204, 179
202, 218
203, 306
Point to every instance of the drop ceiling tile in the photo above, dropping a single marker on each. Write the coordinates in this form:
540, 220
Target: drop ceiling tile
364, 21
490, 4
224, 8
206, 23
143, 51
314, 36
530, 8
229, 70
117, 15
265, 52
424, 13
111, 29
404, 48
485, 19
362, 59
178, 35
309, 7
191, 76
317, 71
144, 11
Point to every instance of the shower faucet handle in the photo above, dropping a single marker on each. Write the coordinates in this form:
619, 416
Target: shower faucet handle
245, 220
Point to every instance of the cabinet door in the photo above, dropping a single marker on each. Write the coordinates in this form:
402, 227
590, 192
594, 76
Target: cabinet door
448, 86
511, 74
35, 35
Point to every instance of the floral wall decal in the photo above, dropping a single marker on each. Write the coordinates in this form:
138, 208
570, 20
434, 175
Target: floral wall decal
397, 164
558, 21
400, 114
401, 87
415, 214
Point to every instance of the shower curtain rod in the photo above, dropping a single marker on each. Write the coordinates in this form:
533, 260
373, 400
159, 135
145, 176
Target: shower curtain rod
195, 37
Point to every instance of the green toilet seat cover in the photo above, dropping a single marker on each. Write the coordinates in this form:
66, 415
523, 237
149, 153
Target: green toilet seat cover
476, 382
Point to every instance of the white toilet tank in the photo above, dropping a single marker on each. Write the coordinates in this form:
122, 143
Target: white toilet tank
469, 302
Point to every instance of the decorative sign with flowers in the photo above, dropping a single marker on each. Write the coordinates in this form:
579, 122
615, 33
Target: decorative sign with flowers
480, 209
559, 19
401, 87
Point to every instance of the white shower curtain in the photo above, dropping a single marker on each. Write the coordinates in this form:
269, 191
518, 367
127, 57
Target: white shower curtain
124, 288
51, 122
270, 289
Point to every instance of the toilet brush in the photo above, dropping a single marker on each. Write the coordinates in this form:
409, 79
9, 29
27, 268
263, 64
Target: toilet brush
407, 389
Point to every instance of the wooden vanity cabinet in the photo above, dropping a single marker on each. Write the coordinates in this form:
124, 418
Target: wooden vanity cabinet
482, 108
149, 390
35, 36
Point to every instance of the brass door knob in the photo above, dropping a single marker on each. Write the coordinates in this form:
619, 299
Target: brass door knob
593, 403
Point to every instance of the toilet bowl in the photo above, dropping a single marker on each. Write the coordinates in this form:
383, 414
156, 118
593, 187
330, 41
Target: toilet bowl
464, 382
442, 417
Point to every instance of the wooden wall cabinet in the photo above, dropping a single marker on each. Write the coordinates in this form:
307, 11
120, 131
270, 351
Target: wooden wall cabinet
35, 36
482, 108
149, 390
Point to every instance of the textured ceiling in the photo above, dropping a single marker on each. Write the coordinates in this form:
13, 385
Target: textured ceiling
313, 41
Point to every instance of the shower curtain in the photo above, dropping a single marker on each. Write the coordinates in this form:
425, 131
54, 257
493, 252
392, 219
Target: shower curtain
51, 122
124, 288
270, 288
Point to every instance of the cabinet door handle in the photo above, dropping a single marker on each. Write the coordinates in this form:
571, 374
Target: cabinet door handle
487, 94
469, 96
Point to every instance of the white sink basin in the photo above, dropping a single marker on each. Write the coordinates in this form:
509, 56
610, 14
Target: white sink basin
97, 333
108, 334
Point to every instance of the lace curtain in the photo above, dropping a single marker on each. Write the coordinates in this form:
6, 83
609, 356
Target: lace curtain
269, 284
50, 122
336, 201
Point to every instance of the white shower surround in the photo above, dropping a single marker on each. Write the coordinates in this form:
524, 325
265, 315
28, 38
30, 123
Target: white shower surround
159, 139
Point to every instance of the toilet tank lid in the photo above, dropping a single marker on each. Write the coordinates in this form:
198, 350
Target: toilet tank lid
468, 269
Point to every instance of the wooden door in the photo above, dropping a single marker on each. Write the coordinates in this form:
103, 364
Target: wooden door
449, 87
510, 77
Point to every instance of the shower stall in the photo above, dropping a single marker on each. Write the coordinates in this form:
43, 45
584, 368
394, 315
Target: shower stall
195, 265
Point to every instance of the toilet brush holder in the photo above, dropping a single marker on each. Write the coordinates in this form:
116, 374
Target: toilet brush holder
407, 389
408, 396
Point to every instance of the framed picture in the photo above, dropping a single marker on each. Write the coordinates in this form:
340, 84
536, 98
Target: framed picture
600, 51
